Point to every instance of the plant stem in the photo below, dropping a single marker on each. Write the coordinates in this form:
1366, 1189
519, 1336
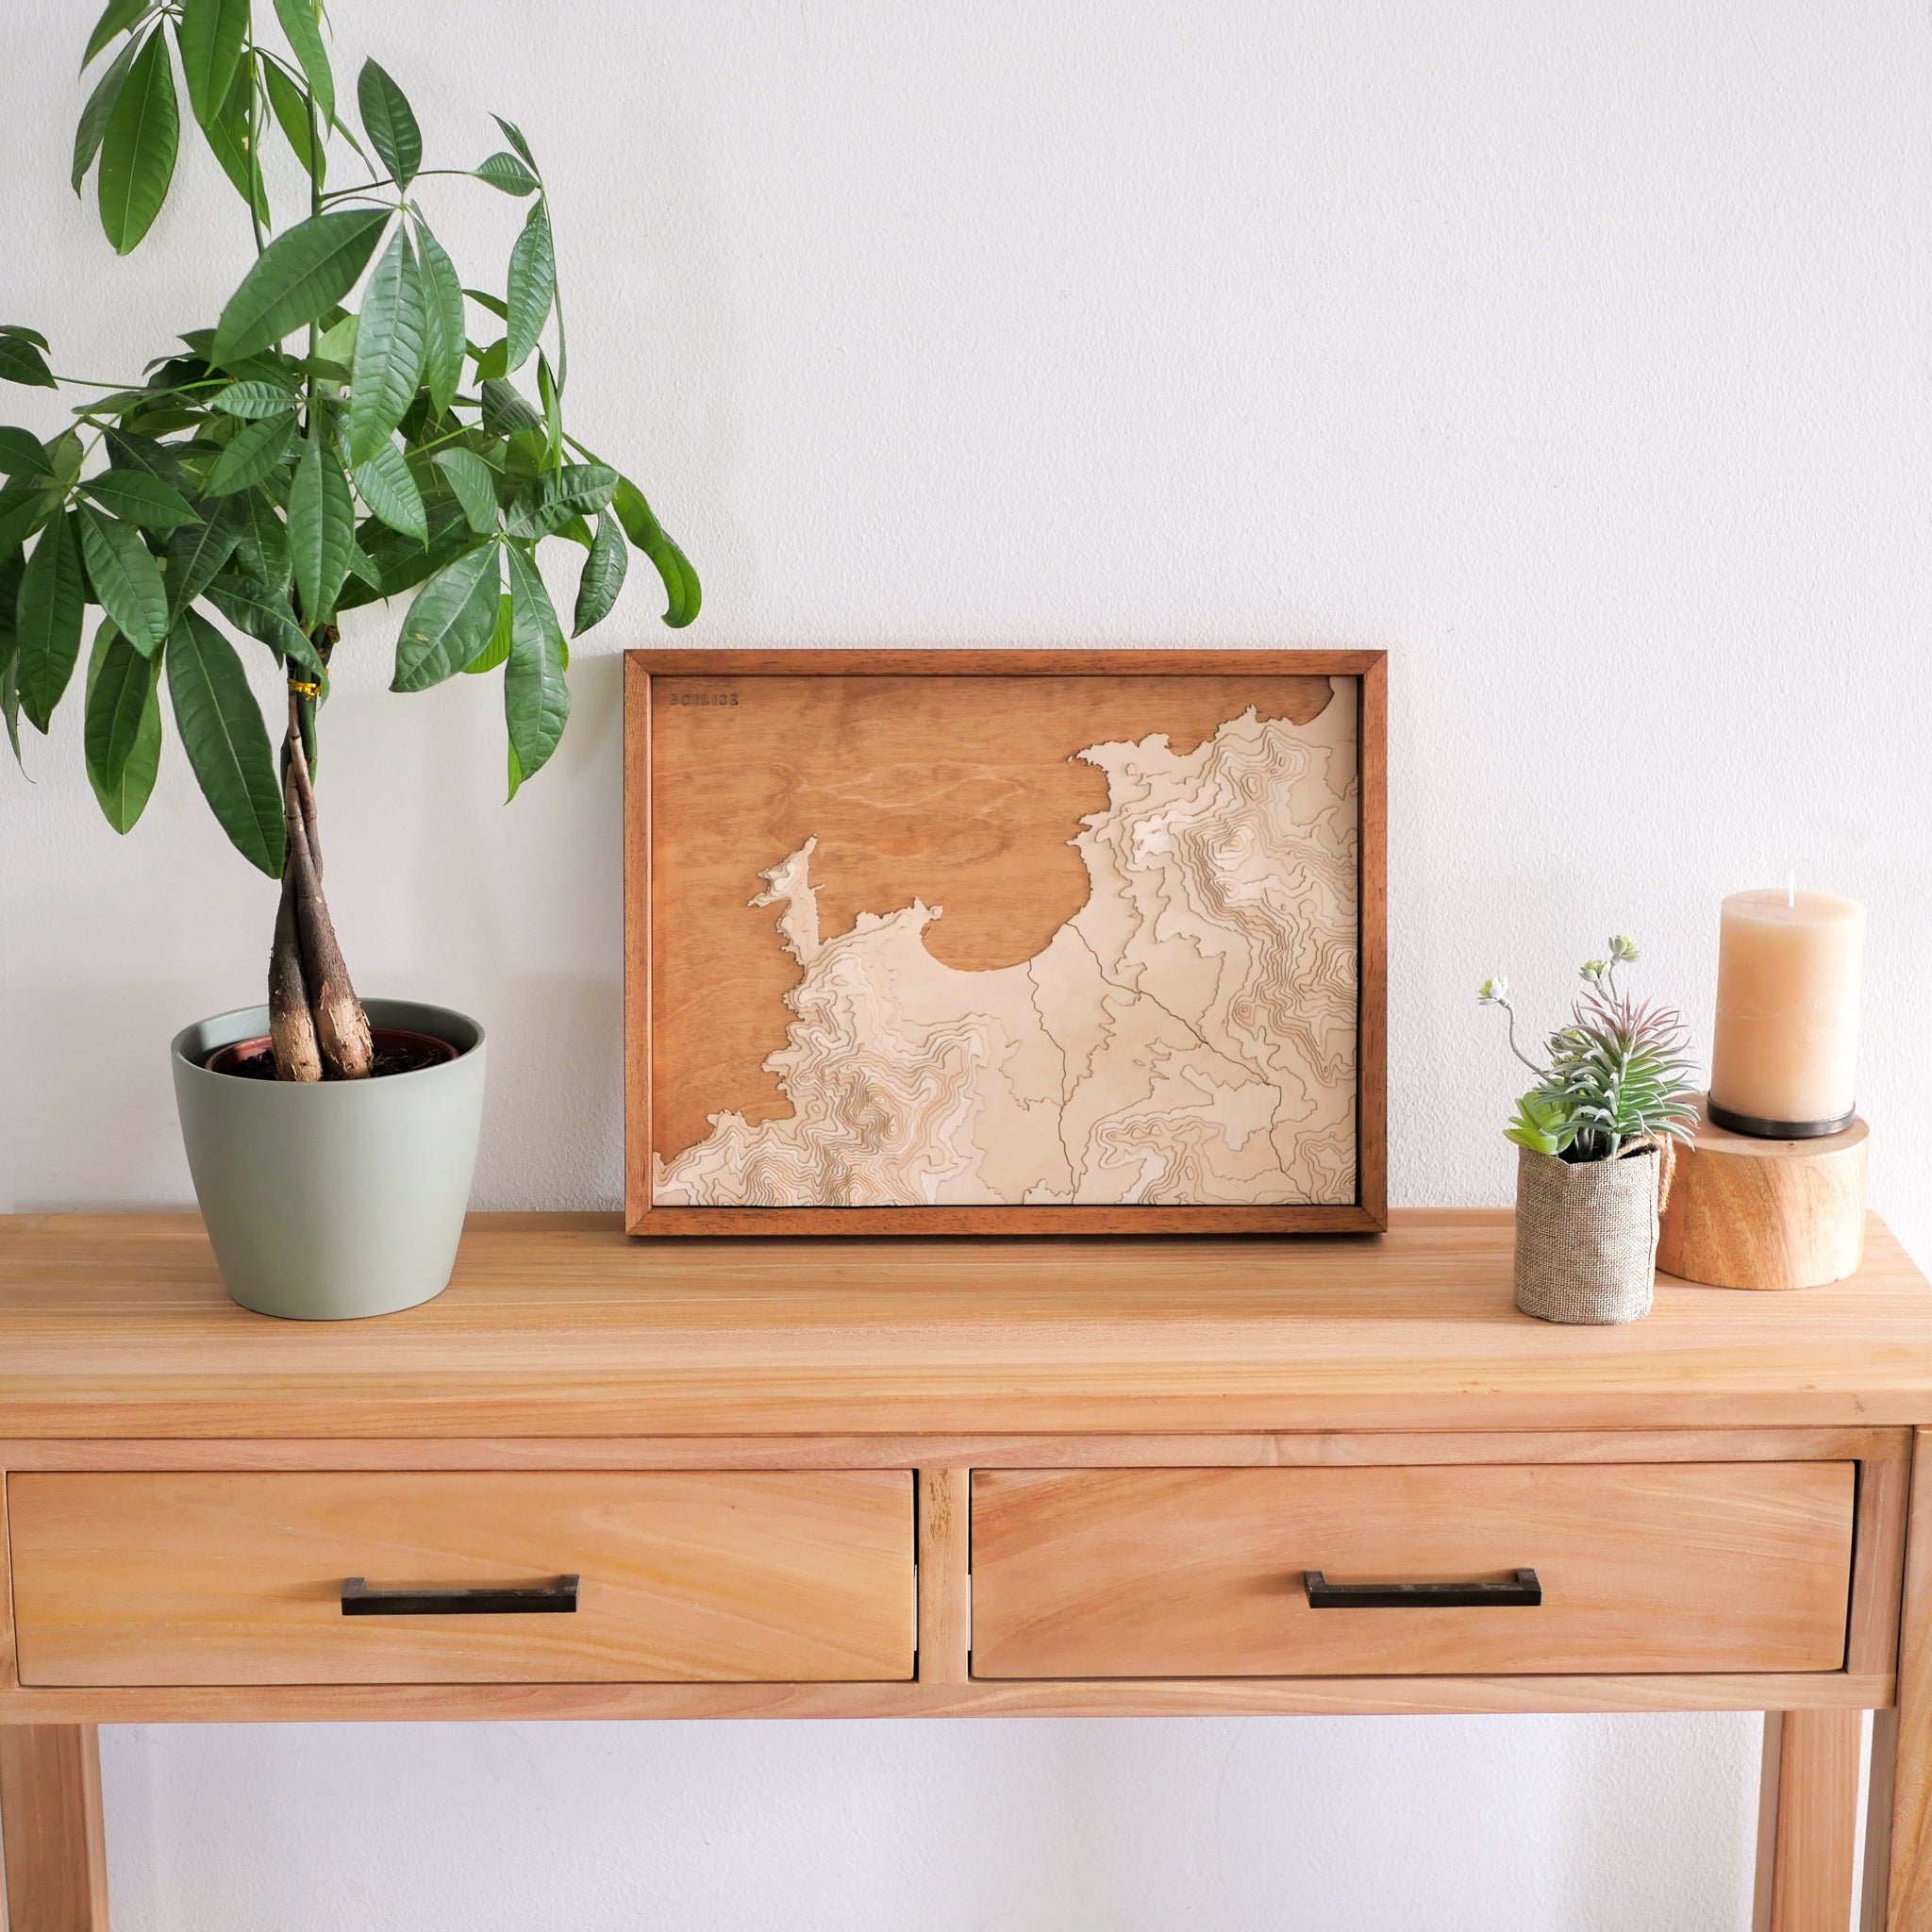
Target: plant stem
330, 1031
390, 181
256, 193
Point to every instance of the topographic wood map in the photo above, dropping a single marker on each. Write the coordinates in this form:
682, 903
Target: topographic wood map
984, 942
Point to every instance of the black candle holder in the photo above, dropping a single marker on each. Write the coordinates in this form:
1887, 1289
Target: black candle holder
1760, 1130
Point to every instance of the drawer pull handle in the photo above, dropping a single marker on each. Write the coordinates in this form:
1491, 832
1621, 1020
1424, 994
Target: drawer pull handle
1522, 1589
359, 1600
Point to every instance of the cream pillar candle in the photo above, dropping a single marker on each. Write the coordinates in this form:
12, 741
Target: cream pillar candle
1783, 1062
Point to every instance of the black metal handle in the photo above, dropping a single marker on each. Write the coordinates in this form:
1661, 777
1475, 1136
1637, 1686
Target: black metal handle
494, 1600
1522, 1589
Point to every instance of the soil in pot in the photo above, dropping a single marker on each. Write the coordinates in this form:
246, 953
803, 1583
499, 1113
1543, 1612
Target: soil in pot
396, 1052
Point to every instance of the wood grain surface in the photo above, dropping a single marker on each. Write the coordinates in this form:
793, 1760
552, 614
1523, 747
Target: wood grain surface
556, 1326
51, 1836
1767, 1214
1814, 1872
224, 1579
1394, 1696
1199, 1573
946, 1583
1883, 1453
943, 776
1909, 1908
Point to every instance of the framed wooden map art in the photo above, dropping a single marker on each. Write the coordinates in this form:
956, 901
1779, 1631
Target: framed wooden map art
1004, 942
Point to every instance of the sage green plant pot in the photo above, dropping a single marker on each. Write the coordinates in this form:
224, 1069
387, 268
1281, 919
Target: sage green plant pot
328, 1202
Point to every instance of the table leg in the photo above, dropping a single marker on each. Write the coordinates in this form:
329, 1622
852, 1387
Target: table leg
50, 1828
1812, 1865
1910, 1904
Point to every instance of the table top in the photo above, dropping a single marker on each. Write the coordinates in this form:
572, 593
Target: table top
560, 1326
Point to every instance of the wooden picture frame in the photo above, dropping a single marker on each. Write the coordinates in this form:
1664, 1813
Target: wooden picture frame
701, 727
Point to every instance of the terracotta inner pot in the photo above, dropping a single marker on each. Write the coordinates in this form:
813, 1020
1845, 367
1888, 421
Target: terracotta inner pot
396, 1052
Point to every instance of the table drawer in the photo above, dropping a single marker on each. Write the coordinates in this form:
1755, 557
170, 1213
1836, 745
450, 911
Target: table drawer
1199, 1573
705, 1577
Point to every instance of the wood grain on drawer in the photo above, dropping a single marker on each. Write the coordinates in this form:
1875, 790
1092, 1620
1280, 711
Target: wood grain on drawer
1148, 1573
696, 1576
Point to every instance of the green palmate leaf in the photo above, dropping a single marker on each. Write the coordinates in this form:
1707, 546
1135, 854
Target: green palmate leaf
138, 147
304, 270
125, 578
442, 321
512, 134
24, 508
536, 700
386, 486
290, 107
227, 742
12, 569
402, 562
551, 396
603, 576
128, 450
337, 343
25, 333
322, 528
549, 501
389, 124
164, 419
140, 499
122, 402
100, 104
253, 399
256, 450
474, 483
263, 549
304, 30
532, 288
195, 555
494, 304
210, 34
497, 650
65, 453
390, 346
20, 362
22, 453
493, 361
231, 139
505, 412
124, 727
450, 621
361, 565
505, 170
9, 699
47, 614
644, 531
267, 616
118, 16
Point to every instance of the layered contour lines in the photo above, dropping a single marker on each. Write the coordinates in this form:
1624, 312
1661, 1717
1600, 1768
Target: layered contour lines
1187, 1037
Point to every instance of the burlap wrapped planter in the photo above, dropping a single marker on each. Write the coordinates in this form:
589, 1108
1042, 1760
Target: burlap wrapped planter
1586, 1237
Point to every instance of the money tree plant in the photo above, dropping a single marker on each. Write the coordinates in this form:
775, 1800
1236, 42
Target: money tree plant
317, 449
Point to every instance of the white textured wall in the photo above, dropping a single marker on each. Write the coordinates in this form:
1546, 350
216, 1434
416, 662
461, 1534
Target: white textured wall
1577, 354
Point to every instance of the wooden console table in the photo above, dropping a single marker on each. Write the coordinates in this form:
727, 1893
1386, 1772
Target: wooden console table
897, 1479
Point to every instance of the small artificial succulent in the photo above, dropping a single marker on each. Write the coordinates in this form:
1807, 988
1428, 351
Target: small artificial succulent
1618, 1076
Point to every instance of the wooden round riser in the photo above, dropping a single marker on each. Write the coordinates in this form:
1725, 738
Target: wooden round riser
1750, 1213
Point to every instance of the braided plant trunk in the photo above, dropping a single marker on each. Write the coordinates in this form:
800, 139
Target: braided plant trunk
316, 1023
